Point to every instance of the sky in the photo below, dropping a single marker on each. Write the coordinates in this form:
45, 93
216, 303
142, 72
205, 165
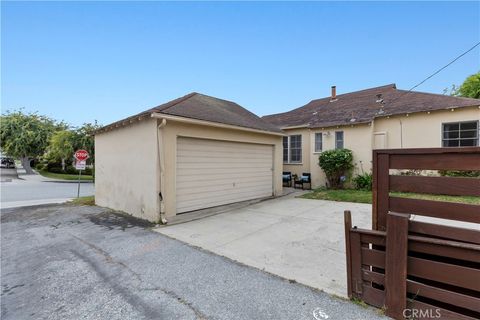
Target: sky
86, 61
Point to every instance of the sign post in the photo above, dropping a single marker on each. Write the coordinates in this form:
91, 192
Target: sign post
81, 157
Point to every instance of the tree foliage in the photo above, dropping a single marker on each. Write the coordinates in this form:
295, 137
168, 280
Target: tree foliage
32, 136
470, 88
61, 146
26, 135
336, 164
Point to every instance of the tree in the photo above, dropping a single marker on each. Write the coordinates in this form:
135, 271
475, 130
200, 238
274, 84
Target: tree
470, 88
61, 146
26, 135
336, 164
84, 138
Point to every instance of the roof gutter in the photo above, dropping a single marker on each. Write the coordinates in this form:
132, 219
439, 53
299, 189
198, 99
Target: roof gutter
295, 127
212, 124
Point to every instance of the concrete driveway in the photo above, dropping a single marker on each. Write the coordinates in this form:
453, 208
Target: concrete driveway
294, 238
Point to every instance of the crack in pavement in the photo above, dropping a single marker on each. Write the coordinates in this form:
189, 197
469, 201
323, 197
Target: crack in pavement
122, 290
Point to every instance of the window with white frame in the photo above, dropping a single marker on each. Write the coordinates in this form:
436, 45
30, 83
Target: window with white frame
292, 149
339, 140
460, 134
318, 142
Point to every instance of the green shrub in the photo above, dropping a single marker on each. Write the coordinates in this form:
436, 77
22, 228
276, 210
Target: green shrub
55, 170
453, 173
70, 170
336, 164
363, 181
41, 166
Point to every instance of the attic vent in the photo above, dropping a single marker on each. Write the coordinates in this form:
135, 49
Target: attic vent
379, 98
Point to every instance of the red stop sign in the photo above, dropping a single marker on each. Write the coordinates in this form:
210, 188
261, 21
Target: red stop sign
81, 155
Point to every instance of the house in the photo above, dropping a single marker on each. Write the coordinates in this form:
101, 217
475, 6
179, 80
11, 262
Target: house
191, 153
376, 118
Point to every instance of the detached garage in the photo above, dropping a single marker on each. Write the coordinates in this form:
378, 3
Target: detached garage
191, 153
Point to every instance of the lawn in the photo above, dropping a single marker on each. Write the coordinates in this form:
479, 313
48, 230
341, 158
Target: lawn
83, 201
64, 176
362, 196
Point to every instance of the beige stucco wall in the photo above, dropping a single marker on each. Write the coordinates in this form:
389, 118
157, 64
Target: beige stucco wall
126, 169
356, 138
174, 129
421, 130
304, 166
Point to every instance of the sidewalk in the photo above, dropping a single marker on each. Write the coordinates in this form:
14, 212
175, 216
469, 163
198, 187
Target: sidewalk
39, 178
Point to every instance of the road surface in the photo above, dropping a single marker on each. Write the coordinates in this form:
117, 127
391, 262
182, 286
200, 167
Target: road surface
68, 262
34, 189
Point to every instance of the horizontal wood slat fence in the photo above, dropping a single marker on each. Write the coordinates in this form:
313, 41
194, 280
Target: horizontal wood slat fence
414, 269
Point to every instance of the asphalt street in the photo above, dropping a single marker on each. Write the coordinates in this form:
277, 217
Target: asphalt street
35, 189
71, 262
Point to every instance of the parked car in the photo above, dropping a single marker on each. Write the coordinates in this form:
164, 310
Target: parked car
6, 162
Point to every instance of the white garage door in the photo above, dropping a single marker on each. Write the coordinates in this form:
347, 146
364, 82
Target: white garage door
212, 173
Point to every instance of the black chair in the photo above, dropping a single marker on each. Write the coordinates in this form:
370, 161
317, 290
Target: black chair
287, 179
305, 178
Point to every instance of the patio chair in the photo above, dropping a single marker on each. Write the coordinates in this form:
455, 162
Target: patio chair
305, 178
287, 179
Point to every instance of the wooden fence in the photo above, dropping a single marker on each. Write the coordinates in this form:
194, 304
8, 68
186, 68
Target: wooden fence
415, 269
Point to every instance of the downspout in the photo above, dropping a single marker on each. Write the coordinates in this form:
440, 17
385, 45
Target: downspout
401, 134
161, 162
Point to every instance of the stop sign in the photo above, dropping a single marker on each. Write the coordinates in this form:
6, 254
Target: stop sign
81, 155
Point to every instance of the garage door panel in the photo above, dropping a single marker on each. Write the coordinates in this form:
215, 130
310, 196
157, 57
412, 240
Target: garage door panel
197, 204
221, 146
221, 172
221, 190
212, 173
200, 182
213, 155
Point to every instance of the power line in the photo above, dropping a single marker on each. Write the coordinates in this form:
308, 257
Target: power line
437, 72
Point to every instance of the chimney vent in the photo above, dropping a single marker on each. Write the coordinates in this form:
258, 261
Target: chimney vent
334, 93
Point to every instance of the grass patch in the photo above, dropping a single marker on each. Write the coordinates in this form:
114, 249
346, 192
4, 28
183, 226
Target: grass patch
345, 195
83, 201
359, 302
363, 196
65, 176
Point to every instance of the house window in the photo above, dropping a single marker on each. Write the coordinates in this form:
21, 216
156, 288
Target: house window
460, 134
318, 142
339, 140
292, 149
296, 148
285, 149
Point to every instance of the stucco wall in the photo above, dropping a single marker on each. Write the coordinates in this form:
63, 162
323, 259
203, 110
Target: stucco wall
174, 129
421, 130
304, 166
126, 170
356, 138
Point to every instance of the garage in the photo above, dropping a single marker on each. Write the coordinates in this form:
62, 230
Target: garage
211, 173
187, 154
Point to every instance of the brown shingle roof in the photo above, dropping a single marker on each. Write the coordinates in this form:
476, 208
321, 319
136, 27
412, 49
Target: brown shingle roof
202, 107
362, 106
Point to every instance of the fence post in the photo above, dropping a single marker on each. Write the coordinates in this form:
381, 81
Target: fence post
396, 264
348, 225
380, 188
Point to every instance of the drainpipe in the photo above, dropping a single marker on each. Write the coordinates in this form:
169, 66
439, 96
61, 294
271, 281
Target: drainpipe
401, 134
161, 161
